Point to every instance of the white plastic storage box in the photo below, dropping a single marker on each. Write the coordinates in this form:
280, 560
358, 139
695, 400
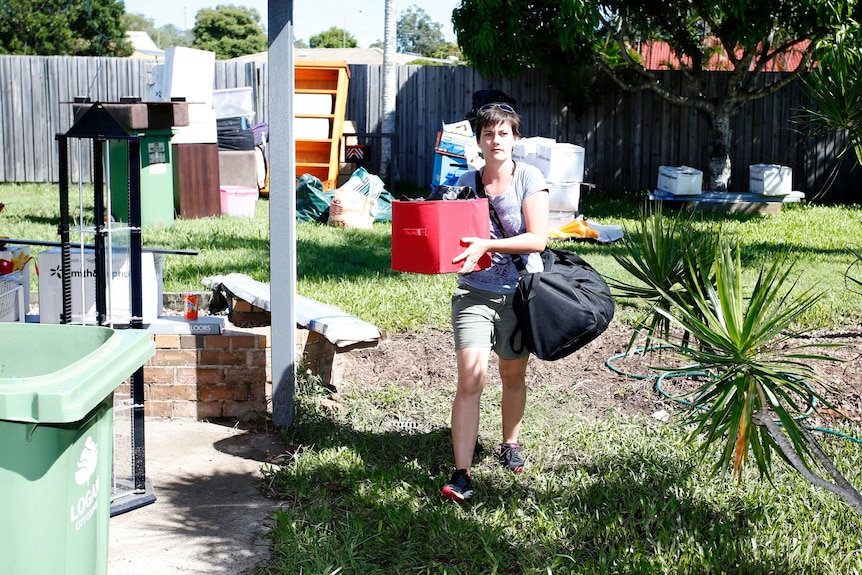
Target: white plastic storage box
233, 102
680, 181
12, 306
525, 149
51, 286
564, 197
560, 162
770, 179
238, 201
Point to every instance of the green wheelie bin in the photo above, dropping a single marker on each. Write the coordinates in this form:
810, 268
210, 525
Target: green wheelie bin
157, 178
56, 442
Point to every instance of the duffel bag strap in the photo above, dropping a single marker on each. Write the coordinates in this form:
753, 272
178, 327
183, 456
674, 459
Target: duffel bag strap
480, 191
517, 346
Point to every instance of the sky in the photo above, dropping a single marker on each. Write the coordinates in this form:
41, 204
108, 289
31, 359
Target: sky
364, 19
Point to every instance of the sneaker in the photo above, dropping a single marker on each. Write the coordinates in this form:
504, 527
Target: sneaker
510, 456
460, 487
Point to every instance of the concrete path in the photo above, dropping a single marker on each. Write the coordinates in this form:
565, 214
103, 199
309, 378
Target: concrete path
209, 516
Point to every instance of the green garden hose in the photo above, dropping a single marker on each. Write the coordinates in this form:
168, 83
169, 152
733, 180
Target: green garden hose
693, 372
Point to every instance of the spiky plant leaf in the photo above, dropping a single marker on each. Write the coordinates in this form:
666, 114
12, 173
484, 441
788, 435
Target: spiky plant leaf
747, 342
657, 254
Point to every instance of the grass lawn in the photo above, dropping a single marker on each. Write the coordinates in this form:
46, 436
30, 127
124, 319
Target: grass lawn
609, 495
351, 268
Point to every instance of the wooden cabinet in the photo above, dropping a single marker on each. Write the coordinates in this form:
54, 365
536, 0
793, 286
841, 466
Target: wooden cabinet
320, 101
196, 180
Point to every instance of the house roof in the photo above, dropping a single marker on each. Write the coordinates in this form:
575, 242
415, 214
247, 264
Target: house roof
144, 45
659, 56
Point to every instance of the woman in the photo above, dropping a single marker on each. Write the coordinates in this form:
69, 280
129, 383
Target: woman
482, 315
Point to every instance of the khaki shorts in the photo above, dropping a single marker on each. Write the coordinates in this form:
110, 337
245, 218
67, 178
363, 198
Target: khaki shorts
483, 319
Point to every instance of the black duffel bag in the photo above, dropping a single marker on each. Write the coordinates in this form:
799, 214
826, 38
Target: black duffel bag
562, 308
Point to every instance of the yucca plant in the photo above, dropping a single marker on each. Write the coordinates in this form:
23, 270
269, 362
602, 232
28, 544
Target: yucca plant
835, 89
657, 254
758, 384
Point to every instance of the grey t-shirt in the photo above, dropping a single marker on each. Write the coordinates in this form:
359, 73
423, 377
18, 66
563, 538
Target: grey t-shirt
502, 276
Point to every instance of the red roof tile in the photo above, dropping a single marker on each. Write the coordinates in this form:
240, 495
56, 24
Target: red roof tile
659, 56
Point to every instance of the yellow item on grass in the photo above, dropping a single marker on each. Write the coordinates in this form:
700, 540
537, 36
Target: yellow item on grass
574, 229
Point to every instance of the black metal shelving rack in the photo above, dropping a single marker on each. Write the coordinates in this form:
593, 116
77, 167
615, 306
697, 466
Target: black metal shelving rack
98, 125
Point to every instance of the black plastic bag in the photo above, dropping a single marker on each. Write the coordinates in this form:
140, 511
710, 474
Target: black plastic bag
452, 193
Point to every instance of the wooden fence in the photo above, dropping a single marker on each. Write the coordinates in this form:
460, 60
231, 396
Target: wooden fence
626, 136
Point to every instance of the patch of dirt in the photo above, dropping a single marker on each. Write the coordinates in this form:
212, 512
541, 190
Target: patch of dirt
428, 359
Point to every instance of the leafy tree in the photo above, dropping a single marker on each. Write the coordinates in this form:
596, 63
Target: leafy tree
229, 31
169, 35
60, 27
333, 38
447, 49
164, 36
417, 34
504, 37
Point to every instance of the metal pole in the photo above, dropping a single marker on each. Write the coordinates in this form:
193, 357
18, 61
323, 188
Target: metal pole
282, 210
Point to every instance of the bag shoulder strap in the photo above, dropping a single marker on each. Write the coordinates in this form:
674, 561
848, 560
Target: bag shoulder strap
480, 191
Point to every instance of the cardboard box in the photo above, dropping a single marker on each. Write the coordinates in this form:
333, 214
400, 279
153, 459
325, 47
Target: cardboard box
186, 73
770, 179
680, 181
564, 197
560, 162
456, 144
51, 286
447, 169
426, 235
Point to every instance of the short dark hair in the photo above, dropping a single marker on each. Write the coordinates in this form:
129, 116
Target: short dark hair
497, 113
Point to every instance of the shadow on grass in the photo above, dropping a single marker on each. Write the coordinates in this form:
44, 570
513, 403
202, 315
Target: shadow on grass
368, 501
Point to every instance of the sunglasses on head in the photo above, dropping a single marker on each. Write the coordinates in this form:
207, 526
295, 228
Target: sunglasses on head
504, 107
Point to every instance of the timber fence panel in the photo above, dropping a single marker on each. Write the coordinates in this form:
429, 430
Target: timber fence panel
626, 136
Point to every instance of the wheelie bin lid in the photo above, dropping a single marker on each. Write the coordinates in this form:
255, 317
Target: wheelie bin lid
56, 373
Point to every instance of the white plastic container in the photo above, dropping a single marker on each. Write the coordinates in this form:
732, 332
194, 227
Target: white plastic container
680, 181
233, 102
564, 197
238, 201
560, 162
770, 179
525, 149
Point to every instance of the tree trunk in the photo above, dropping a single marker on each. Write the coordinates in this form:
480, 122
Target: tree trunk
720, 139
